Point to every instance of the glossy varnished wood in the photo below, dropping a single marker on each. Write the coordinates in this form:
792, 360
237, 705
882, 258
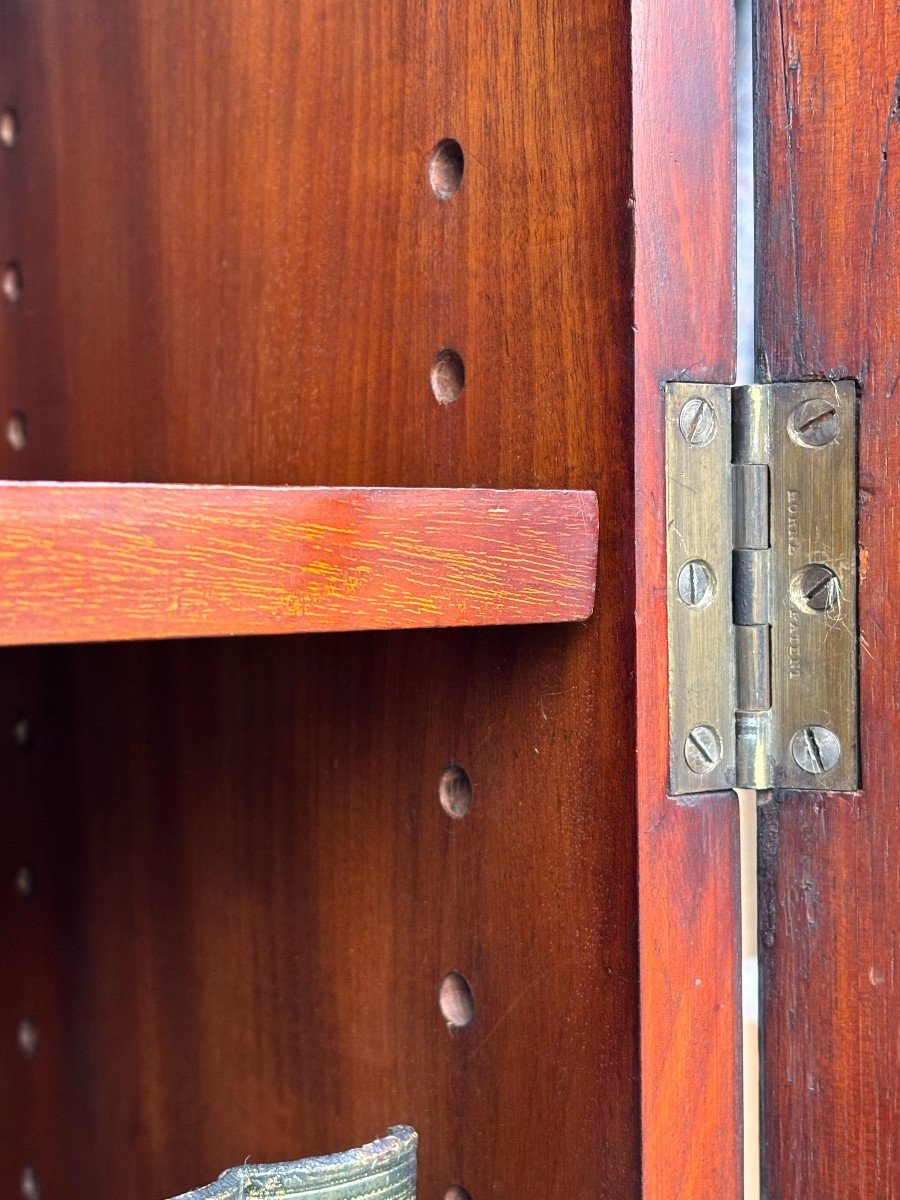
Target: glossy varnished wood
246, 890
113, 562
684, 163
829, 306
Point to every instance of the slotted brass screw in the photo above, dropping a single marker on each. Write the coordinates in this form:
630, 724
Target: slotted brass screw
816, 749
819, 588
697, 421
695, 583
702, 749
815, 422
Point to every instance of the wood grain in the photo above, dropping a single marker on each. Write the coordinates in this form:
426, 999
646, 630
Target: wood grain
107, 562
828, 140
684, 189
246, 890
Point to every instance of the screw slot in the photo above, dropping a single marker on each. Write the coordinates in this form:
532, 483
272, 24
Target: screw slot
696, 584
702, 749
815, 589
816, 749
698, 421
815, 422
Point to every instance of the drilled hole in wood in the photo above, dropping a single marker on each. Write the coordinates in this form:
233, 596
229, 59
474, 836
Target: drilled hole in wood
25, 882
27, 1037
455, 790
12, 282
456, 1000
448, 375
9, 127
445, 170
456, 1193
29, 1185
17, 430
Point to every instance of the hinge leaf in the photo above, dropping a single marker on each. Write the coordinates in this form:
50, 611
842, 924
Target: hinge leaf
762, 573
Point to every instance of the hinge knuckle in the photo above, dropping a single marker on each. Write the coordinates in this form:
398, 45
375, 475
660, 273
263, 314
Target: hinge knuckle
751, 587
752, 650
761, 545
751, 505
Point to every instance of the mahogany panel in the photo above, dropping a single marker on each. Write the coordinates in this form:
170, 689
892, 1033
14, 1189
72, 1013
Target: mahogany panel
110, 562
828, 140
246, 891
684, 192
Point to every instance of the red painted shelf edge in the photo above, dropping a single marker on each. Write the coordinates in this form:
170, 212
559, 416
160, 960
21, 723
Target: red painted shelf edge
109, 562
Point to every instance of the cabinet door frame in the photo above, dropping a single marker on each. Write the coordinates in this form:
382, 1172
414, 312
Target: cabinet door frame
688, 848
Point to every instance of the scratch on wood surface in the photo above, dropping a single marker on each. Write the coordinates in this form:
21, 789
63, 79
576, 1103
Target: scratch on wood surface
893, 115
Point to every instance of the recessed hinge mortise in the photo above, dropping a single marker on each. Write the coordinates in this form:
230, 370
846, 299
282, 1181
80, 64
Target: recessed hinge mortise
762, 580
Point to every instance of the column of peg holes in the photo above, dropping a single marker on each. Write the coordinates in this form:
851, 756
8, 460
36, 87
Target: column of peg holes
448, 376
27, 1033
12, 283
12, 286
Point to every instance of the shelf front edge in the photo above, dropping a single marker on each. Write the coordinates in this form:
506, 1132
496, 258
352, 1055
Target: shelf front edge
85, 562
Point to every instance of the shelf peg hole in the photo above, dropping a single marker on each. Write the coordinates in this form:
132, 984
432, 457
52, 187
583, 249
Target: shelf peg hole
9, 127
445, 168
456, 1000
17, 430
448, 375
29, 1184
12, 282
27, 1037
25, 882
455, 791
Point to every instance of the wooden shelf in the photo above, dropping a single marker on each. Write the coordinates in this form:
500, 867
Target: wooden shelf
111, 562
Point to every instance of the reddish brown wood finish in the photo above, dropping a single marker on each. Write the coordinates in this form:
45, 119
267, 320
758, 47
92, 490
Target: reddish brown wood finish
112, 562
829, 305
246, 891
684, 162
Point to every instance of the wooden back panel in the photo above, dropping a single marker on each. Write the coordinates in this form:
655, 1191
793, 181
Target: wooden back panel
829, 305
246, 891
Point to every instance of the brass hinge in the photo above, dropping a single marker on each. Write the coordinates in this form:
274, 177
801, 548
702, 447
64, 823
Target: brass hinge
762, 579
